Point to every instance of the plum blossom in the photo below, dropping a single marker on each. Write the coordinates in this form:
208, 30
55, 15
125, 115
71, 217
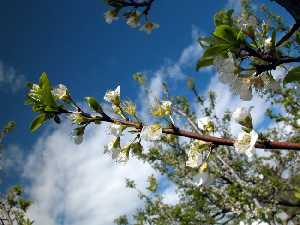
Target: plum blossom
113, 96
148, 27
203, 176
245, 143
242, 116
61, 92
206, 124
151, 132
115, 130
194, 153
110, 16
268, 43
133, 19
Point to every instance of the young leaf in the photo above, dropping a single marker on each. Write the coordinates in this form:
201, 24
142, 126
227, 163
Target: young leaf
215, 50
92, 102
293, 75
204, 62
45, 86
227, 33
37, 122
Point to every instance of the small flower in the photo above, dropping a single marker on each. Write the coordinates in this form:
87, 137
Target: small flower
133, 20
204, 167
268, 43
110, 16
61, 92
77, 118
113, 96
194, 159
124, 154
201, 178
114, 147
166, 106
152, 132
242, 116
34, 88
130, 108
245, 143
162, 109
206, 124
115, 130
148, 27
194, 153
34, 92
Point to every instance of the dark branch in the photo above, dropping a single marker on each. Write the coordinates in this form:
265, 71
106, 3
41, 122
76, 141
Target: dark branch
207, 138
294, 28
292, 6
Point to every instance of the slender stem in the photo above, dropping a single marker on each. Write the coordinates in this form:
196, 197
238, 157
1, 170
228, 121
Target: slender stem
294, 28
215, 140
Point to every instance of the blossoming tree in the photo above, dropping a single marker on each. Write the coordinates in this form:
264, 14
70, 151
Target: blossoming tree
220, 179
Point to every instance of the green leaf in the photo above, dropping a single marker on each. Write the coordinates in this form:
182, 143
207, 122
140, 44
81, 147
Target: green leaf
215, 50
223, 17
92, 102
226, 33
37, 122
45, 86
204, 62
292, 76
273, 41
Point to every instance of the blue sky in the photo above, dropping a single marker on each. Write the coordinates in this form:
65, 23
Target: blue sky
71, 42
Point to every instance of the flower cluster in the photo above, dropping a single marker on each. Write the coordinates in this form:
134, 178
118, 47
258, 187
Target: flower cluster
132, 20
228, 71
247, 138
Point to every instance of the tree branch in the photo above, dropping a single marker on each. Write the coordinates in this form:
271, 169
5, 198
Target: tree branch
207, 138
294, 28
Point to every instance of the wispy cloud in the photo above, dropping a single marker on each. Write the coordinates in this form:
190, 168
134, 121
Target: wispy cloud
10, 79
78, 184
175, 70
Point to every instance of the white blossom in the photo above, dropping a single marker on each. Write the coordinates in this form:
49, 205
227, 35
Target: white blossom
113, 96
268, 43
195, 153
148, 27
133, 19
152, 132
206, 124
77, 118
242, 116
298, 122
194, 159
115, 130
245, 143
114, 148
201, 178
110, 16
61, 92
166, 106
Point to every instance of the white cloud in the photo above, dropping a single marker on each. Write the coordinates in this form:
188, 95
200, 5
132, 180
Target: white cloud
10, 79
78, 184
175, 70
